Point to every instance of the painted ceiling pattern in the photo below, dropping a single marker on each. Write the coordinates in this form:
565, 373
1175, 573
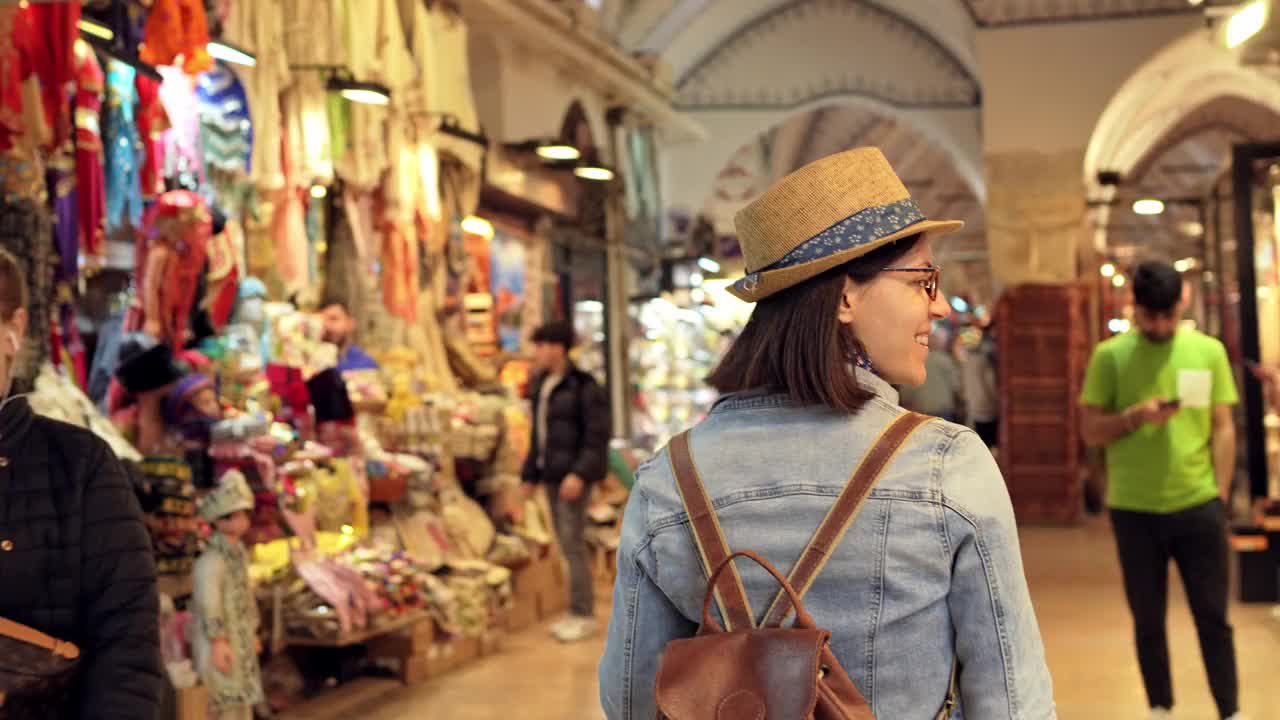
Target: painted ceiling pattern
803, 51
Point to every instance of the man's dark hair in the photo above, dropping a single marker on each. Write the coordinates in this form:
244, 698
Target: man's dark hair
795, 345
328, 303
1157, 286
558, 332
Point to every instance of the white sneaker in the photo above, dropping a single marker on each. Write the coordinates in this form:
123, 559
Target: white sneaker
1160, 714
574, 629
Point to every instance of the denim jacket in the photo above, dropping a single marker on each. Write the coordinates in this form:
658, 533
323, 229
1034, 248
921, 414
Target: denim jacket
929, 573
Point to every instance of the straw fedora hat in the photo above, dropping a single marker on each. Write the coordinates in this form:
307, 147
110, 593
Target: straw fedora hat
822, 216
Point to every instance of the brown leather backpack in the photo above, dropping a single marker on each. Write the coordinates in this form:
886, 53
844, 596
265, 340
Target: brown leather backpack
745, 672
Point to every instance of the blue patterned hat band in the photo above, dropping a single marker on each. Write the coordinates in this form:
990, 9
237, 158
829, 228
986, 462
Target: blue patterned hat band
861, 228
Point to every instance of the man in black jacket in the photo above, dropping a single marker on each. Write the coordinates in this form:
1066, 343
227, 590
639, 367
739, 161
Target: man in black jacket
75, 556
569, 453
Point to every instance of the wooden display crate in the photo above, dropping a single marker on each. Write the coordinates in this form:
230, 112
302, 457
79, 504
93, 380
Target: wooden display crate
192, 703
523, 613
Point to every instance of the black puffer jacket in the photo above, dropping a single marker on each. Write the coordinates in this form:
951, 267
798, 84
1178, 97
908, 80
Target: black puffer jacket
76, 561
577, 430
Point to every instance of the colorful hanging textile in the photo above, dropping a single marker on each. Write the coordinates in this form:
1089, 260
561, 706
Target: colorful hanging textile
177, 28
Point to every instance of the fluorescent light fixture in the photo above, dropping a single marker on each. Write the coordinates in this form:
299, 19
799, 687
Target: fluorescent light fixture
1108, 270
366, 97
1246, 22
593, 306
232, 54
591, 172
96, 29
1118, 281
1148, 206
319, 191
959, 304
478, 226
711, 266
558, 151
361, 92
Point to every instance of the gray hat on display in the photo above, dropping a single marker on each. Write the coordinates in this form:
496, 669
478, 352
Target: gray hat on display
230, 496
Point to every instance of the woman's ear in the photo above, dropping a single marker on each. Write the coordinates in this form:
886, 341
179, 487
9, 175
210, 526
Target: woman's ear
850, 297
17, 330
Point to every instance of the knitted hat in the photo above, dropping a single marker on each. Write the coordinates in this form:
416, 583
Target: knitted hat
231, 495
823, 215
181, 394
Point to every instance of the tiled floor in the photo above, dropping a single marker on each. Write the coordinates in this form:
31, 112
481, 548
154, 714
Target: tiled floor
1079, 600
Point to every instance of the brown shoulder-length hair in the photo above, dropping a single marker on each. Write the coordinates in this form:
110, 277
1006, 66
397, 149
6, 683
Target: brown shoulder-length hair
794, 344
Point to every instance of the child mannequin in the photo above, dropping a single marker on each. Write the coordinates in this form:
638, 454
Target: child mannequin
225, 642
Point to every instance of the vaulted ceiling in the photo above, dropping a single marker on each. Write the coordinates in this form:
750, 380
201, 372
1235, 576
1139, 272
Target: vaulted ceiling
902, 56
1193, 156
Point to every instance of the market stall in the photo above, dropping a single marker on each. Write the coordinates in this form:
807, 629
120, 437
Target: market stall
256, 271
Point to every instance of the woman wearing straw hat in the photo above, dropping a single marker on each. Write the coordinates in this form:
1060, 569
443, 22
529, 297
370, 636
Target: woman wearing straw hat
928, 576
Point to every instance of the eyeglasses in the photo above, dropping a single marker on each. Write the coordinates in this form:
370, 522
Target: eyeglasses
930, 284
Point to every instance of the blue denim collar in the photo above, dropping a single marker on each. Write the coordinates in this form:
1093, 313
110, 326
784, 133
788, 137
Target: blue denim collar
761, 398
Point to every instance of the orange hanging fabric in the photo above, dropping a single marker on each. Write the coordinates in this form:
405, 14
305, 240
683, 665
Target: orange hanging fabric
177, 27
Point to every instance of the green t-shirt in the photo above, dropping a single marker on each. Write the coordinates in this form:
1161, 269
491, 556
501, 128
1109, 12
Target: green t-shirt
1168, 468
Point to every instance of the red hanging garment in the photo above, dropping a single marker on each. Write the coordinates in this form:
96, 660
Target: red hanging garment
17, 33
90, 178
54, 61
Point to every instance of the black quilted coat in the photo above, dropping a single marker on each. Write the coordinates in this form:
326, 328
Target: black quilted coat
76, 563
577, 430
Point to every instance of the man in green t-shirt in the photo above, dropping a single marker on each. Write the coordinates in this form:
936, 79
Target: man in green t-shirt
1159, 399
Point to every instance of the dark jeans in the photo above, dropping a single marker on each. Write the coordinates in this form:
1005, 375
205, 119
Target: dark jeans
571, 528
1196, 539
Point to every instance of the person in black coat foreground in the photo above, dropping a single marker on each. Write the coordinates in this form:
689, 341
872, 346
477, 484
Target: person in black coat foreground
75, 557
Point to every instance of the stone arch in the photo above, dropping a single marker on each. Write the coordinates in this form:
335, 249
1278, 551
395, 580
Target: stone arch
1167, 98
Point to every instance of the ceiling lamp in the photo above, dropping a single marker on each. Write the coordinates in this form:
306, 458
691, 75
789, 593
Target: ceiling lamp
1186, 264
474, 225
711, 266
361, 92
1118, 281
227, 52
1108, 270
1148, 206
557, 151
597, 173
1246, 22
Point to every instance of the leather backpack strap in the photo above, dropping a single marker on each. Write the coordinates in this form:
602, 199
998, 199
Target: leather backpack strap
840, 517
31, 636
730, 594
